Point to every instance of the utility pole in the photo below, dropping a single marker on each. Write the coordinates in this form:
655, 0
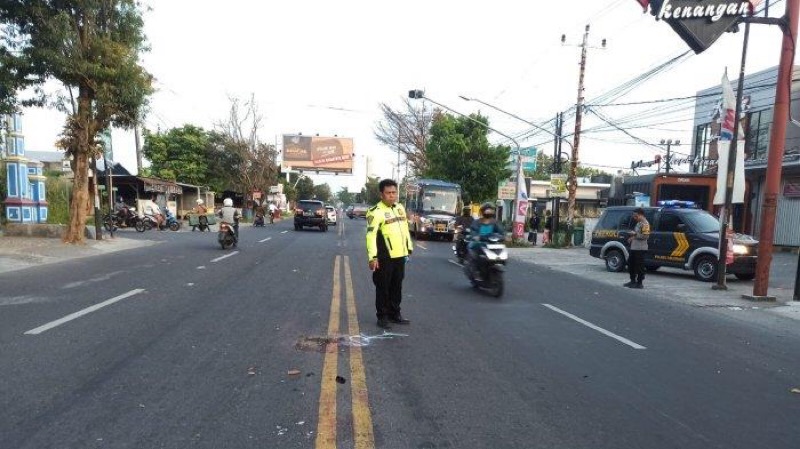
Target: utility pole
557, 163
573, 167
777, 141
669, 143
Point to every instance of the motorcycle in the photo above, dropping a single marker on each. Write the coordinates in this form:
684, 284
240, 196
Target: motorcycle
259, 220
171, 222
485, 264
226, 235
460, 244
126, 217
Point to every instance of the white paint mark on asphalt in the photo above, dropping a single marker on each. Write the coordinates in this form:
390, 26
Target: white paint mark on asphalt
201, 267
266, 239
284, 232
595, 327
422, 246
83, 312
92, 280
190, 284
224, 257
455, 263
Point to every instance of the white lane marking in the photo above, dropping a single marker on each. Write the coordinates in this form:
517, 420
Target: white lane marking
83, 312
284, 232
422, 246
88, 281
455, 263
264, 240
201, 267
224, 257
595, 327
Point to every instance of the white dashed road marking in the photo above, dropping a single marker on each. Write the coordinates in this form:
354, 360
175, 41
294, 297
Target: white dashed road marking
266, 239
595, 327
224, 257
83, 312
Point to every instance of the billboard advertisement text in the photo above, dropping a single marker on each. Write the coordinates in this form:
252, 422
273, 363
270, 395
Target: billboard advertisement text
315, 153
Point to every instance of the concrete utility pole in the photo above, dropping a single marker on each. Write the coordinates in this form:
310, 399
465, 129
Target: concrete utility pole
669, 143
777, 141
573, 166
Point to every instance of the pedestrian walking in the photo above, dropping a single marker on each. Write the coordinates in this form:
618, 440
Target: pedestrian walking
533, 222
388, 247
638, 244
548, 227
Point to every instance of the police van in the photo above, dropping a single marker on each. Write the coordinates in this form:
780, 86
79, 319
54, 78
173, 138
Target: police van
681, 236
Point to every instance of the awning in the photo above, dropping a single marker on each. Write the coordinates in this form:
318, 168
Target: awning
161, 186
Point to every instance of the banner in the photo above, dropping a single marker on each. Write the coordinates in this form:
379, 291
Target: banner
728, 121
323, 154
521, 206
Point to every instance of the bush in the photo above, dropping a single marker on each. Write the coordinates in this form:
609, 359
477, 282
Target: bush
58, 191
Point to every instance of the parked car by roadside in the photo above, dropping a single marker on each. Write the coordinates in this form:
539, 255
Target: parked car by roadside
681, 237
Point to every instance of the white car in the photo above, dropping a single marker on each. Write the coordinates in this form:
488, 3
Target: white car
331, 213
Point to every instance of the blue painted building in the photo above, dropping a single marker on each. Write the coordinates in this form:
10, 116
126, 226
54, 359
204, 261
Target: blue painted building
26, 200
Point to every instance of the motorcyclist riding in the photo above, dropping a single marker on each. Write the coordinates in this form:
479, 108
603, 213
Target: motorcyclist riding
201, 211
485, 226
230, 215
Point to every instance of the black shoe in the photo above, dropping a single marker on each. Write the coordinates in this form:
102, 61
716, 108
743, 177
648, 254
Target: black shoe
637, 285
383, 323
630, 284
399, 320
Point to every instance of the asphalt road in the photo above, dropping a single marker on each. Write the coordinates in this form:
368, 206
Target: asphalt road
174, 346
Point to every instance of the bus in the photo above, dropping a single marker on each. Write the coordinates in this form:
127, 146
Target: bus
432, 206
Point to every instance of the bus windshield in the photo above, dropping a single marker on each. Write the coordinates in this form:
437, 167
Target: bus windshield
440, 200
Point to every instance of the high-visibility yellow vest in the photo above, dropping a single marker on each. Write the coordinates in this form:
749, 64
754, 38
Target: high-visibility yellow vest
387, 232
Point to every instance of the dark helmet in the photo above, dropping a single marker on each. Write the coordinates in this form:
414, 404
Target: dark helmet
466, 211
487, 207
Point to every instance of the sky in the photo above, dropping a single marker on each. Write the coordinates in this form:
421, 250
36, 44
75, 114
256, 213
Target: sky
321, 67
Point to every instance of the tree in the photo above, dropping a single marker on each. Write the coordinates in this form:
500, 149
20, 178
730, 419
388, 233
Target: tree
345, 197
406, 131
89, 46
323, 192
459, 151
256, 166
370, 193
305, 188
544, 168
179, 154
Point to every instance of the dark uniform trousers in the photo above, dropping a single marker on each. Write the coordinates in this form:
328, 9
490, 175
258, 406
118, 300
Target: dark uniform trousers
388, 280
636, 265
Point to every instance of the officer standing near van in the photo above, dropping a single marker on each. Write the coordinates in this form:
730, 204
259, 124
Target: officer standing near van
388, 247
638, 249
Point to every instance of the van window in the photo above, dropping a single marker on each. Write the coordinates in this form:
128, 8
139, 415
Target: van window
612, 219
670, 223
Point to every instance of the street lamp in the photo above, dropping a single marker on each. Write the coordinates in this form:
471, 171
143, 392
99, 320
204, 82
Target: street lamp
521, 210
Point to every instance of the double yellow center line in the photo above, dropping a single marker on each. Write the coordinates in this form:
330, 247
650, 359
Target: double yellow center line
362, 418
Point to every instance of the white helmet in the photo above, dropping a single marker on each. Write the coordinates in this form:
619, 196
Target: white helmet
199, 201
227, 202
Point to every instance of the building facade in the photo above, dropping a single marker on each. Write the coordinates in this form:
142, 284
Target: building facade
757, 120
25, 200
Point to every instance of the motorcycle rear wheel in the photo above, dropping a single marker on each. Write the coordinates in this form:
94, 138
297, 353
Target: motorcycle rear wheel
174, 226
495, 283
139, 225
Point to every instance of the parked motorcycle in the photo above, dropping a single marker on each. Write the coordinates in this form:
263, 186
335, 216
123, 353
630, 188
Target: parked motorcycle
226, 235
171, 222
485, 264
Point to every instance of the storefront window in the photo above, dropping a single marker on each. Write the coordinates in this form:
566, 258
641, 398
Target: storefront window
757, 143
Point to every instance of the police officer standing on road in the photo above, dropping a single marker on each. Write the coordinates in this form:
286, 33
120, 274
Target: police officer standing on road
638, 242
388, 247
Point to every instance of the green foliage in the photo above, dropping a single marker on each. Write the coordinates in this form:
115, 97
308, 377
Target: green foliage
179, 154
369, 193
345, 197
544, 168
289, 190
459, 151
58, 191
305, 188
323, 193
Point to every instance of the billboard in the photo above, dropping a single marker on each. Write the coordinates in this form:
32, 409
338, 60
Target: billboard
315, 153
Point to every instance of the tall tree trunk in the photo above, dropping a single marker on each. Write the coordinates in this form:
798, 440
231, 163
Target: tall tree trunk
80, 191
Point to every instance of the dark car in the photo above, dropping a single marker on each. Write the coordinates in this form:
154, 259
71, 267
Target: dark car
357, 211
310, 213
680, 237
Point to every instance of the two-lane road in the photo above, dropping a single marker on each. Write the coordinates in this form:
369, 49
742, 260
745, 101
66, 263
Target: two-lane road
274, 344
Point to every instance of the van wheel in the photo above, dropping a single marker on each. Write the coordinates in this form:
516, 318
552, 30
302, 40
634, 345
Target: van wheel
705, 269
615, 261
745, 276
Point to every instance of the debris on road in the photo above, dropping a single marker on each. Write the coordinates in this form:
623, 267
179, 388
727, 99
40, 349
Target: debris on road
293, 372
